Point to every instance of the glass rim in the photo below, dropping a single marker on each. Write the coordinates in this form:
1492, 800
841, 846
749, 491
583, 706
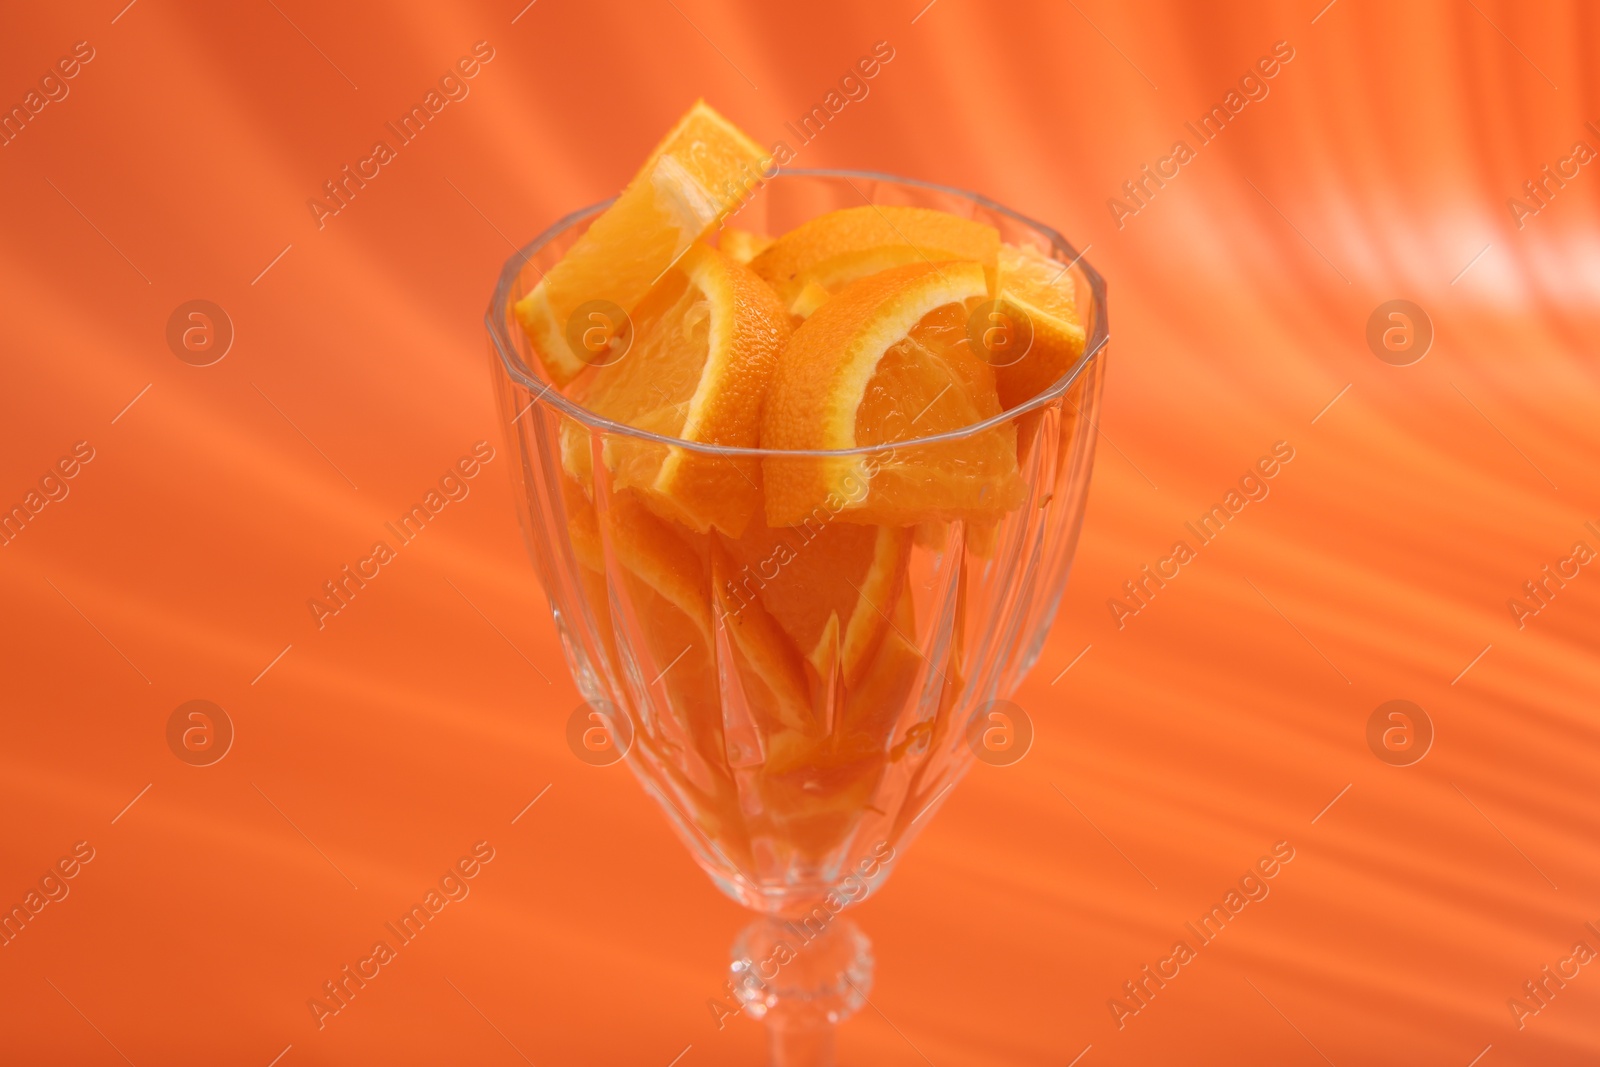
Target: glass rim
545, 392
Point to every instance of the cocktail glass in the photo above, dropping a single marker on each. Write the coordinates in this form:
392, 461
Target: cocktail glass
796, 785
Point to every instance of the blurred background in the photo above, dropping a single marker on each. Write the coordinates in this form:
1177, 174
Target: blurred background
1436, 153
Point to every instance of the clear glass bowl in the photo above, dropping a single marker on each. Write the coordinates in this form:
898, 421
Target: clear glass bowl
778, 838
795, 775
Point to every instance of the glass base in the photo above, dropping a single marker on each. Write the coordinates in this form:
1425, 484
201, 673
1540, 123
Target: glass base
802, 980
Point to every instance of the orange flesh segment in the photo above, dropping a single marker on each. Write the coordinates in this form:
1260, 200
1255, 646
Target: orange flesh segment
697, 176
742, 246
1031, 284
844, 246
706, 343
887, 360
830, 586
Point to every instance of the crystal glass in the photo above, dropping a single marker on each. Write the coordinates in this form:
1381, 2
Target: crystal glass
797, 776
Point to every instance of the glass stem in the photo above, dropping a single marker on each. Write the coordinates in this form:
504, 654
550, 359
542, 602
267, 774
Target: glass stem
802, 1042
801, 979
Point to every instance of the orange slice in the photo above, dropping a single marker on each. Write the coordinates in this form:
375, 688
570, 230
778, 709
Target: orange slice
588, 550
658, 583
817, 800
832, 587
812, 296
820, 789
742, 245
772, 677
657, 578
836, 249
887, 360
705, 346
873, 707
702, 170
1039, 290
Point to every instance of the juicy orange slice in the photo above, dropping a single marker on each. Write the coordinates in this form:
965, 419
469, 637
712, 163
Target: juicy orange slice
872, 707
888, 360
836, 249
1040, 291
820, 788
832, 587
705, 346
661, 610
805, 303
664, 559
742, 245
816, 797
772, 677
588, 550
701, 171
657, 581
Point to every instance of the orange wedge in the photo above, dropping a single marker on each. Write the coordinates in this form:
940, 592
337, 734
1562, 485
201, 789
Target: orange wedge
742, 245
1034, 287
588, 550
702, 171
887, 360
872, 707
805, 303
705, 346
816, 797
659, 583
832, 587
819, 789
772, 678
836, 249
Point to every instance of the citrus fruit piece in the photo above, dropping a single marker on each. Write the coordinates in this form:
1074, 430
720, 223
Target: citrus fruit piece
705, 346
831, 587
842, 246
819, 797
771, 675
887, 360
1040, 291
699, 173
817, 789
808, 300
874, 706
588, 551
654, 581
662, 616
742, 245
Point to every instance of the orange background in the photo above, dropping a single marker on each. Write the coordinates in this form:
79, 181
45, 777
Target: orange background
426, 715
